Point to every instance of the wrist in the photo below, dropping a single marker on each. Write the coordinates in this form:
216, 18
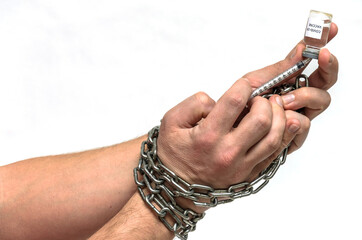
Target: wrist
160, 188
134, 215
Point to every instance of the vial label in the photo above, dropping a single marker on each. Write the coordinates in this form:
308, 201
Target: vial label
314, 28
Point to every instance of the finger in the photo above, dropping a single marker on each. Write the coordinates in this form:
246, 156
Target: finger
189, 112
303, 131
272, 141
227, 109
297, 128
254, 126
313, 101
296, 55
263, 75
327, 72
290, 132
293, 125
332, 33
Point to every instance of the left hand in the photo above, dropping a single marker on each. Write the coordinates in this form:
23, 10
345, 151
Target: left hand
314, 99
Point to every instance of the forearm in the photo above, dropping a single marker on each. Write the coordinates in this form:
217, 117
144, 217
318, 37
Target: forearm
67, 196
136, 221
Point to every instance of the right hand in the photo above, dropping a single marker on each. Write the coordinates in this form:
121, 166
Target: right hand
313, 99
198, 140
201, 143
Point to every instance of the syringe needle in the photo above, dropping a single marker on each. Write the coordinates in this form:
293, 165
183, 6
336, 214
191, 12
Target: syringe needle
280, 78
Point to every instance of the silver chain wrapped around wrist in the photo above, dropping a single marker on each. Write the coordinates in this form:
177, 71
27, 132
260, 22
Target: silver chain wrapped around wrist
160, 187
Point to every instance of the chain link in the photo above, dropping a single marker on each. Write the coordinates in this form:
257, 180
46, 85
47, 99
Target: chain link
159, 186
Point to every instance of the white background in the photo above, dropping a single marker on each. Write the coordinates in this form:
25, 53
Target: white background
77, 75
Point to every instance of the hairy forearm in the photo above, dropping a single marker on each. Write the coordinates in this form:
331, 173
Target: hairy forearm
66, 196
136, 221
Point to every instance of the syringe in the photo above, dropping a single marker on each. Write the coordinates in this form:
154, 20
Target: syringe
280, 78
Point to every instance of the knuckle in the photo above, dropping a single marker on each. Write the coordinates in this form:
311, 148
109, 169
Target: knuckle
203, 99
166, 119
244, 84
306, 124
328, 100
236, 100
226, 159
274, 142
262, 122
306, 93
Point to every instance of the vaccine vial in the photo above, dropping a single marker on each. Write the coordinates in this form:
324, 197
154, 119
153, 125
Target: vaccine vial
316, 33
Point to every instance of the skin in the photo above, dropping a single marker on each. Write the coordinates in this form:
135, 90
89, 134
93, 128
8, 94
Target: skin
239, 153
67, 196
72, 196
223, 152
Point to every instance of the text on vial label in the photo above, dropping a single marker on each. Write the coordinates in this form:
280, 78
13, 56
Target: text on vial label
314, 28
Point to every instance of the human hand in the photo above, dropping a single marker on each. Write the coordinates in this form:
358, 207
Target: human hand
324, 77
314, 99
198, 141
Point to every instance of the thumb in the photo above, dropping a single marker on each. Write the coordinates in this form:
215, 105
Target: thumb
261, 76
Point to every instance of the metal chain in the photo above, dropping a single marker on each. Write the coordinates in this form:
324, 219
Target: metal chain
159, 186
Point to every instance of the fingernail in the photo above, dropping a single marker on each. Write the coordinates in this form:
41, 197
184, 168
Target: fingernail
279, 101
288, 98
293, 128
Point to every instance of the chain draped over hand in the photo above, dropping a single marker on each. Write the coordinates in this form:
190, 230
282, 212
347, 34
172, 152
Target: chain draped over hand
160, 187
